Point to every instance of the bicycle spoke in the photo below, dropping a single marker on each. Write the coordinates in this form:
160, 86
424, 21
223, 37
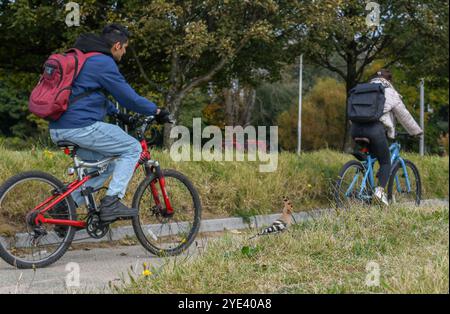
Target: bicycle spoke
180, 230
355, 179
170, 234
404, 184
351, 186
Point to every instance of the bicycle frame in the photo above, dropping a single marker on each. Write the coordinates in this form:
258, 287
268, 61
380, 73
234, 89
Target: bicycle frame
145, 160
369, 176
395, 153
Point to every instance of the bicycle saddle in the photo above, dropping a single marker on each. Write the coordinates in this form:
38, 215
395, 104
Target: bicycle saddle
362, 140
67, 144
362, 149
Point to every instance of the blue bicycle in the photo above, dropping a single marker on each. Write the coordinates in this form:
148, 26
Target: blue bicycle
356, 180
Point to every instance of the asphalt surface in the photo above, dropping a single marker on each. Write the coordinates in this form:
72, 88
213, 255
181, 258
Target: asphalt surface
97, 267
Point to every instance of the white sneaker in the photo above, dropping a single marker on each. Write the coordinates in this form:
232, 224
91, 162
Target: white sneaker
381, 195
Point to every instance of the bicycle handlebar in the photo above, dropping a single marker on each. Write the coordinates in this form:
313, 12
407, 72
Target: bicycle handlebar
407, 135
139, 119
136, 120
141, 123
402, 134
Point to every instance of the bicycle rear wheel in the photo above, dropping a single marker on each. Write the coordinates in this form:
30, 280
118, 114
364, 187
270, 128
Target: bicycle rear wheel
22, 244
165, 235
405, 184
349, 183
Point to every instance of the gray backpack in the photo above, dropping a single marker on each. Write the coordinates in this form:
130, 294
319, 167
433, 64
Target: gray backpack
366, 103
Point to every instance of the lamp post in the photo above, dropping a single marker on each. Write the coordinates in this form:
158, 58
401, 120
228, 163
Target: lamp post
300, 87
422, 113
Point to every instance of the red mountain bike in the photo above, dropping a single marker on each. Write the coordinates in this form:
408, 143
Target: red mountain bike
35, 231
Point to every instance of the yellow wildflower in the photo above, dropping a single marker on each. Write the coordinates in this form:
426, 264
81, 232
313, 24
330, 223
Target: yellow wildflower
146, 273
48, 154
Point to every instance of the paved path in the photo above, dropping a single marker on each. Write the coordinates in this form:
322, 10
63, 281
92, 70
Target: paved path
97, 267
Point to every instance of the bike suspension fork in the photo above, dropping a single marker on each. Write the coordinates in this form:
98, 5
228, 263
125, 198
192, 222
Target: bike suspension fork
153, 166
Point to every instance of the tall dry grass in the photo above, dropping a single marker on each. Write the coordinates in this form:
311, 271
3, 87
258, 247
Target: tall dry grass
238, 188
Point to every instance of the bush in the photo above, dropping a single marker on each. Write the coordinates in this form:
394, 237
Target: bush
323, 116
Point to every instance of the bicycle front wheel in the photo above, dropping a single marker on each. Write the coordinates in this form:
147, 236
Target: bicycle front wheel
23, 244
167, 235
404, 184
349, 183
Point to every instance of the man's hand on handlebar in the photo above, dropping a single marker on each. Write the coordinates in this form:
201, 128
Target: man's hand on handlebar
125, 118
163, 116
136, 120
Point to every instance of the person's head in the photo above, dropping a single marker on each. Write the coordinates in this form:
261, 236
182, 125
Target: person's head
116, 36
383, 73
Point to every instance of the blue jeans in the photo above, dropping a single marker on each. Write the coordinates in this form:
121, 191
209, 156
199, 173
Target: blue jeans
98, 141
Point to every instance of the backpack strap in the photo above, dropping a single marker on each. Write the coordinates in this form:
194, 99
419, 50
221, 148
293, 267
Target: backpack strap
80, 58
78, 55
79, 52
87, 93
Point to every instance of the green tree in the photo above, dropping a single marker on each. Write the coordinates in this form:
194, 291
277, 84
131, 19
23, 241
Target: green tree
179, 46
182, 45
30, 31
337, 36
436, 102
272, 98
322, 118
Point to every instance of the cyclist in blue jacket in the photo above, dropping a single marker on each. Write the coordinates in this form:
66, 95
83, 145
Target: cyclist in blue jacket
83, 124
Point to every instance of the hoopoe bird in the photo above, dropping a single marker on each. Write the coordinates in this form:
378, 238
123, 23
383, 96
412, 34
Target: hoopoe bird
281, 223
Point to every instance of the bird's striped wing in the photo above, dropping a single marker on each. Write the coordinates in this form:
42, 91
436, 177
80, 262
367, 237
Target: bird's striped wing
276, 227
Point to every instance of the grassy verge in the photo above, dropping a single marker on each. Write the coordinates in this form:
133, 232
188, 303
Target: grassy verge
238, 188
332, 254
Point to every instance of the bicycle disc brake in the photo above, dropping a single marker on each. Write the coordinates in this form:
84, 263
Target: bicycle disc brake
160, 213
95, 228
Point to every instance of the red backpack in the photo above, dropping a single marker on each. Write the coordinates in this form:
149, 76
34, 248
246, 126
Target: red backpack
50, 98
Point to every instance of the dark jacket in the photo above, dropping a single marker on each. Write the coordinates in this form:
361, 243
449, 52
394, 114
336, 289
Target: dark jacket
99, 72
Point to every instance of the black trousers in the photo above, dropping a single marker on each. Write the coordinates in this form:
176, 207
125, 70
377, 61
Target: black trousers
379, 146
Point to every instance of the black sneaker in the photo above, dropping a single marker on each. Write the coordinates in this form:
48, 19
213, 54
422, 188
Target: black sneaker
60, 211
111, 209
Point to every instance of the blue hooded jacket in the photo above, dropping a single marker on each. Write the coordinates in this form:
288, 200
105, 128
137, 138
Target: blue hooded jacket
99, 72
